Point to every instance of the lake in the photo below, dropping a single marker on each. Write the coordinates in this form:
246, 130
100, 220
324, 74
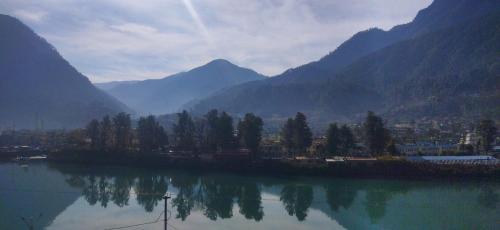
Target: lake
64, 196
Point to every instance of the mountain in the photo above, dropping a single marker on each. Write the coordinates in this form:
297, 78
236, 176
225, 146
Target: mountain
454, 71
112, 84
388, 58
37, 86
440, 14
168, 94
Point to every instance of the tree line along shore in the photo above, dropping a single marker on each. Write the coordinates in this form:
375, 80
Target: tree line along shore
216, 141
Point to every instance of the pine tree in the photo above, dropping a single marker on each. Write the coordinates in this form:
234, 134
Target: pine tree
333, 140
93, 133
212, 118
107, 135
123, 131
225, 131
376, 136
250, 132
150, 134
487, 132
302, 137
184, 131
347, 141
287, 134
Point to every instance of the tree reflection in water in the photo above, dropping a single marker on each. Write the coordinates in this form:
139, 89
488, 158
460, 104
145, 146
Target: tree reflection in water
250, 201
185, 198
121, 190
340, 195
215, 195
297, 199
149, 190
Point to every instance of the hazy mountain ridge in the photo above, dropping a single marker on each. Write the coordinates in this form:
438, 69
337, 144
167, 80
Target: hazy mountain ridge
320, 79
112, 84
167, 95
38, 86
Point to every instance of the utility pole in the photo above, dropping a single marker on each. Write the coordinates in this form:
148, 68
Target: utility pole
166, 197
30, 222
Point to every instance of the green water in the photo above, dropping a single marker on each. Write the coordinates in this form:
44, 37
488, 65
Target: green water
76, 197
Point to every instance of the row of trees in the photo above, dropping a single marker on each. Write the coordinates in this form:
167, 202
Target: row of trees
296, 136
110, 133
116, 134
215, 132
339, 140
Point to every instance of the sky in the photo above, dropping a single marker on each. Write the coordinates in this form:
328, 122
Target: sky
111, 40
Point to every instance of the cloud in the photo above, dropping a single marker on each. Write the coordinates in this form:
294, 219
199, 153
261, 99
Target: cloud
128, 39
34, 16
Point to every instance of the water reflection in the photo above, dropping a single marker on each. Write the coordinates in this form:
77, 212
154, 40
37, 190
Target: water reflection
340, 195
226, 198
186, 195
150, 190
297, 199
216, 195
488, 197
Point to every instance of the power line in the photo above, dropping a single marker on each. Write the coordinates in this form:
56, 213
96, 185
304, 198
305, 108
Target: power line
172, 226
140, 224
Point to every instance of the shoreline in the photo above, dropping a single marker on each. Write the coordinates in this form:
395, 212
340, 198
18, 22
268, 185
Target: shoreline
379, 169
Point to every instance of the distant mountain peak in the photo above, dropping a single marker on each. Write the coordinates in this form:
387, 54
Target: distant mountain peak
168, 94
220, 61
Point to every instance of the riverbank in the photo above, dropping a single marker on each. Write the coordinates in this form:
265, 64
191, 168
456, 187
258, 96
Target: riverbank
389, 168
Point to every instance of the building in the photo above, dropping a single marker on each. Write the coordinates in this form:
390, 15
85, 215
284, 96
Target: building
426, 148
450, 160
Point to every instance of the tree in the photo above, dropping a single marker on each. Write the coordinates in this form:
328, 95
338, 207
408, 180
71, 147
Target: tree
347, 141
250, 132
184, 131
107, 135
302, 136
376, 136
93, 133
333, 139
487, 132
391, 148
287, 134
212, 118
76, 138
123, 131
201, 134
150, 134
225, 131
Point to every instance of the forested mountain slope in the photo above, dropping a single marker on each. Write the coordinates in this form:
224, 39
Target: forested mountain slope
39, 88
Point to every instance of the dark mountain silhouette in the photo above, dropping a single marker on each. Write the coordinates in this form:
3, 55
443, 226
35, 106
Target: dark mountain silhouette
440, 14
454, 71
37, 86
167, 95
340, 85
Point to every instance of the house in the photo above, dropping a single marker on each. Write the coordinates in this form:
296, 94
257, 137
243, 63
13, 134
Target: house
426, 148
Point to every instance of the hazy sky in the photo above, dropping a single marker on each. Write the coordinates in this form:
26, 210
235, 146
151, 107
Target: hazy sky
137, 39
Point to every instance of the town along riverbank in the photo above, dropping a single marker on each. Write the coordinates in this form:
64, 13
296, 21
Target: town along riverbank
398, 168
